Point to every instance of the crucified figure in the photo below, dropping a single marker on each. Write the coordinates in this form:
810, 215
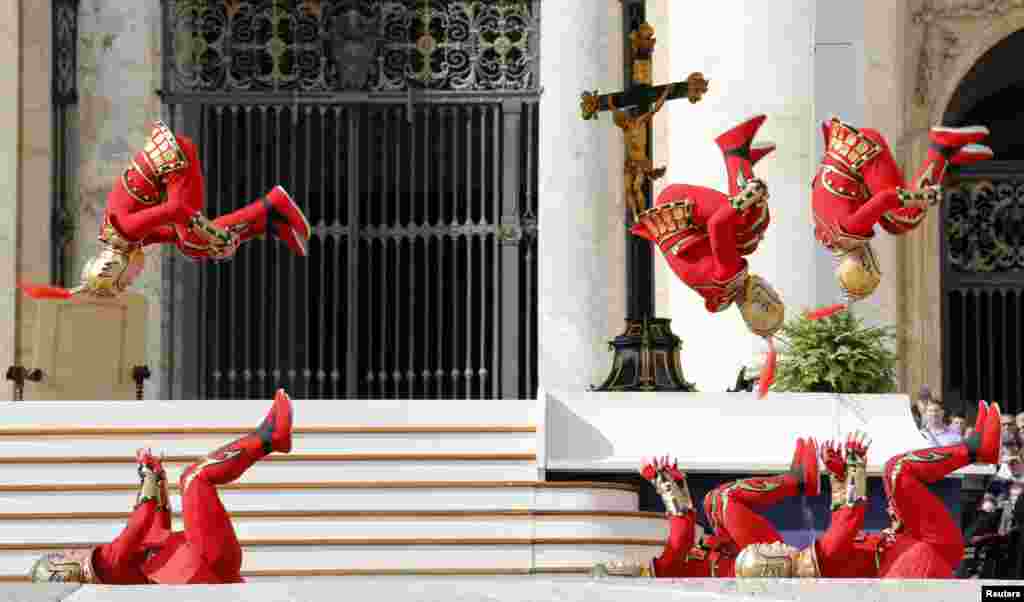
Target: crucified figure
639, 168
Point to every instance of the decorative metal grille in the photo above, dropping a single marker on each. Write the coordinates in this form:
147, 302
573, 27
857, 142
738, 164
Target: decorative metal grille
64, 91
371, 45
983, 285
421, 279
984, 226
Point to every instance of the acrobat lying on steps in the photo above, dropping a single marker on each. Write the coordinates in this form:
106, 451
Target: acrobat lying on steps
147, 551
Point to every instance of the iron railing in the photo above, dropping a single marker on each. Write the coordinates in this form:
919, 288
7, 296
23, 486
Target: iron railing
64, 99
982, 243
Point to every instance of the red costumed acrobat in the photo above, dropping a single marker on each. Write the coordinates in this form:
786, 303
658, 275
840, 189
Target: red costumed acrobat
923, 542
731, 509
147, 551
704, 235
858, 185
160, 199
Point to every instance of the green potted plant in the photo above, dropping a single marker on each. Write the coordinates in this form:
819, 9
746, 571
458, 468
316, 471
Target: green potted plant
835, 354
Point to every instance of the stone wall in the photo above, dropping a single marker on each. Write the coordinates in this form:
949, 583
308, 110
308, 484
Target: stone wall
921, 53
119, 70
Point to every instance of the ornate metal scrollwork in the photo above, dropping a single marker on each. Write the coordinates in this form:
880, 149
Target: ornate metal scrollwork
984, 226
371, 45
65, 51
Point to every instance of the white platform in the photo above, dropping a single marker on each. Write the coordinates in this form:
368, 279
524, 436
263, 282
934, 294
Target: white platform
717, 432
526, 589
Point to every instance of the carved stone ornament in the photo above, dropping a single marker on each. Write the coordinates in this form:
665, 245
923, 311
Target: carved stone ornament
941, 44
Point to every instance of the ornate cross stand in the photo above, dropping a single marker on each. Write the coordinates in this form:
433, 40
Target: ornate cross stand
647, 353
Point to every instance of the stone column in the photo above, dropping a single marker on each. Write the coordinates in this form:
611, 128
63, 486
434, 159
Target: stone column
579, 188
887, 91
118, 73
757, 56
10, 123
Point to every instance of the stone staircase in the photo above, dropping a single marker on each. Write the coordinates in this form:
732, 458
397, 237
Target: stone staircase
382, 487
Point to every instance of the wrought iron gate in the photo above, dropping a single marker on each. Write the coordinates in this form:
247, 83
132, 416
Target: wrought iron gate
421, 275
983, 285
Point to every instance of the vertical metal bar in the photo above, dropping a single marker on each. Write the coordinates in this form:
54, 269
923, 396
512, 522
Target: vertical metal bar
339, 359
205, 115
354, 188
232, 275
491, 126
303, 309
1019, 339
509, 150
964, 355
458, 152
385, 322
415, 268
442, 283
429, 244
531, 305
400, 309
245, 269
261, 363
475, 187
217, 303
322, 365
990, 302
448, 177
277, 372
1007, 332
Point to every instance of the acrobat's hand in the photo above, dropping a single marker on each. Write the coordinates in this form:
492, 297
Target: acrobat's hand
832, 458
148, 463
857, 445
754, 191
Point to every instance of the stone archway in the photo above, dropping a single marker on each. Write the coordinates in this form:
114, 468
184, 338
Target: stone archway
981, 249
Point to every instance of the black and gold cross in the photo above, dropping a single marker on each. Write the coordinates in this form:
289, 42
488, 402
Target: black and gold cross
647, 352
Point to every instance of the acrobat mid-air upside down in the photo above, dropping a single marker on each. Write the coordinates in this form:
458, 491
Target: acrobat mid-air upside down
160, 199
705, 234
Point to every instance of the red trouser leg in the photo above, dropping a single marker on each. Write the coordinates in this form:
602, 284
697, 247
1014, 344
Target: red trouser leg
120, 561
923, 515
672, 562
835, 549
722, 238
208, 527
730, 508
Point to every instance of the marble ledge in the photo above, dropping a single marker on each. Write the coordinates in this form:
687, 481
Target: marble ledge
628, 465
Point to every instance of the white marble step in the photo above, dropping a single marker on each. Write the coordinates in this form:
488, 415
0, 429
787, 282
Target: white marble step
247, 413
329, 555
179, 441
294, 468
370, 525
350, 496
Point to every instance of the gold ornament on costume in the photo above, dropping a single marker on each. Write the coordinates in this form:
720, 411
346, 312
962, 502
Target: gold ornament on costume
776, 560
761, 307
859, 273
66, 566
111, 271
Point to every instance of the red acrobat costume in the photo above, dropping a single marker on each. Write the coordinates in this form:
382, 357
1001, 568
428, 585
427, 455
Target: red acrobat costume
924, 542
160, 199
731, 510
207, 551
858, 185
704, 236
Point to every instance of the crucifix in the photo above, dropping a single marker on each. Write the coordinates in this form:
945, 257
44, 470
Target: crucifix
647, 352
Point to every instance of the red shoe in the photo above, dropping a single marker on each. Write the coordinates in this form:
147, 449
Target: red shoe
740, 154
991, 437
948, 137
972, 153
277, 213
276, 429
979, 422
812, 481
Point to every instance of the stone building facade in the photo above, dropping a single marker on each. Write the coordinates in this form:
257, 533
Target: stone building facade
895, 66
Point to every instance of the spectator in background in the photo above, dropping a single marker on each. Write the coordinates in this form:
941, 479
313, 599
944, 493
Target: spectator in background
1011, 435
1020, 422
920, 406
959, 423
935, 429
981, 555
1010, 474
